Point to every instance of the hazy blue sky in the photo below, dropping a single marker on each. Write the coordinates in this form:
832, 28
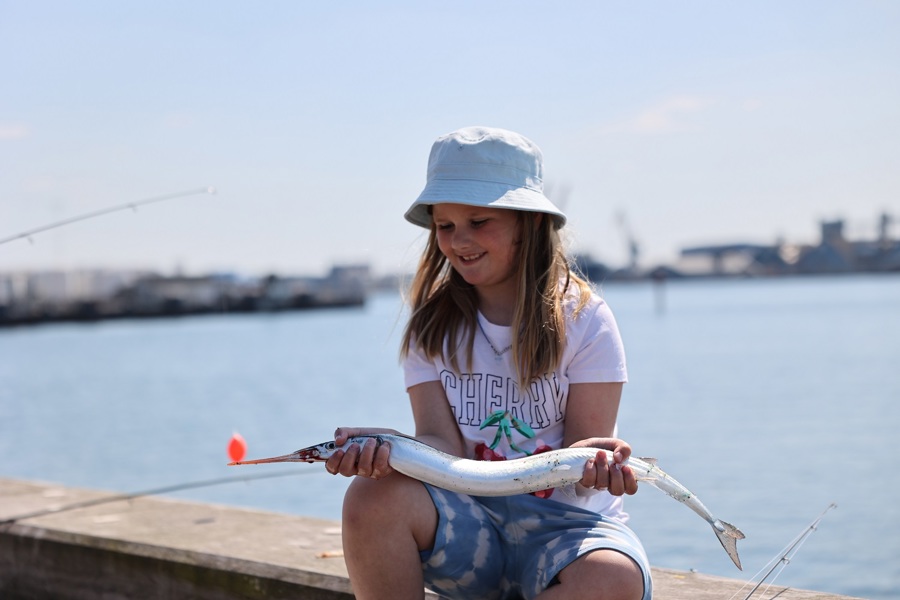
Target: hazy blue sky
699, 121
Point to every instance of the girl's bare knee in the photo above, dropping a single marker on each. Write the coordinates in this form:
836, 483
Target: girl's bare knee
393, 504
365, 501
603, 575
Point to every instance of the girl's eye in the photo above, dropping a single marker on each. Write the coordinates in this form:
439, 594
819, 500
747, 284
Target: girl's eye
477, 224
444, 226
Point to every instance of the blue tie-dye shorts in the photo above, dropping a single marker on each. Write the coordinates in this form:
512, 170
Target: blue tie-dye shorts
514, 546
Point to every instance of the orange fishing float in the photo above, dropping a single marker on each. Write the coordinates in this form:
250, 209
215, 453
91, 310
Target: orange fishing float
237, 447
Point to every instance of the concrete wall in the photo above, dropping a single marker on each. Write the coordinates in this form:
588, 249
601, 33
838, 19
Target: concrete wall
36, 566
64, 543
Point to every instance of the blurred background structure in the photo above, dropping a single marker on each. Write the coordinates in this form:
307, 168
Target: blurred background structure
664, 127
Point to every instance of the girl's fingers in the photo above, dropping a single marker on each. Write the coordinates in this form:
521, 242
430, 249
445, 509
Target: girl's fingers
631, 485
342, 434
368, 460
364, 466
381, 466
334, 462
348, 466
616, 480
596, 474
589, 477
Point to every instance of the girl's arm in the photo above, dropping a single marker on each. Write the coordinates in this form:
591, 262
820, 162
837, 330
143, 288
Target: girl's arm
435, 424
591, 414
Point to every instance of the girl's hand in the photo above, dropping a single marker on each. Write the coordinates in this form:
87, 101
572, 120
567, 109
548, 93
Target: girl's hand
369, 460
618, 478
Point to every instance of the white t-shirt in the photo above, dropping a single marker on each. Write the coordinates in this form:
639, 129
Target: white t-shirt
593, 353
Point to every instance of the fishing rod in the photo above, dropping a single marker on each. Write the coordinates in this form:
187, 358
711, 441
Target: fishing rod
103, 211
151, 492
784, 557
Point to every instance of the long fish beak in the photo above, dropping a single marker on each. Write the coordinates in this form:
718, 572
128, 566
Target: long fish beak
308, 455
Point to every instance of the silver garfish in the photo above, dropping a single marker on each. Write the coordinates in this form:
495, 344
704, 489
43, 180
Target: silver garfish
553, 469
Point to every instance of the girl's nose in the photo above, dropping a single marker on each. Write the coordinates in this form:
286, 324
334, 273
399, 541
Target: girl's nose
461, 238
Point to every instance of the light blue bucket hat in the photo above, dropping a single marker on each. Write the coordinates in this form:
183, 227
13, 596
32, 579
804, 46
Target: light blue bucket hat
484, 166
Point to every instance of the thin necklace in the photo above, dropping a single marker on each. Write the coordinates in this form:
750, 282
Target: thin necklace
497, 353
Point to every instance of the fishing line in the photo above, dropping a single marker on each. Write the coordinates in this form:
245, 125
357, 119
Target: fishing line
783, 558
151, 492
132, 205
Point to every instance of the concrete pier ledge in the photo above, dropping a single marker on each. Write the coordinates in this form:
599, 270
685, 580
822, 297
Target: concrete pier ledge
152, 547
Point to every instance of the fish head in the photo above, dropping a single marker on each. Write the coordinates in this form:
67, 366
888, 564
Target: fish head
310, 454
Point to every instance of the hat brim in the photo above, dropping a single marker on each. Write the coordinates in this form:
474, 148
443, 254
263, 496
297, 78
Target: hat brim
480, 193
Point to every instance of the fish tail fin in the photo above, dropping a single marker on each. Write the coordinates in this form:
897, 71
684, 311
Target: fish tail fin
728, 536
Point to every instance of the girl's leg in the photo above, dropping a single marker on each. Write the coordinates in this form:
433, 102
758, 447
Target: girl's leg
386, 523
599, 575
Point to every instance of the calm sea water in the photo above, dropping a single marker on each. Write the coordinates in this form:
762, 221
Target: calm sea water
769, 398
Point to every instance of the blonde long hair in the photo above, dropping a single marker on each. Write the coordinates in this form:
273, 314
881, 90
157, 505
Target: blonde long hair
444, 307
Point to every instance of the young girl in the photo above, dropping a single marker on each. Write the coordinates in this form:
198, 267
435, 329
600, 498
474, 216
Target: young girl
506, 353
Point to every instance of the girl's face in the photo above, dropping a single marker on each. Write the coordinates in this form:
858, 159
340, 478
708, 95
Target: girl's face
480, 243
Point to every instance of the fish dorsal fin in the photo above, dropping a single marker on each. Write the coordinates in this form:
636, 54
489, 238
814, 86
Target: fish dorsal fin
649, 461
